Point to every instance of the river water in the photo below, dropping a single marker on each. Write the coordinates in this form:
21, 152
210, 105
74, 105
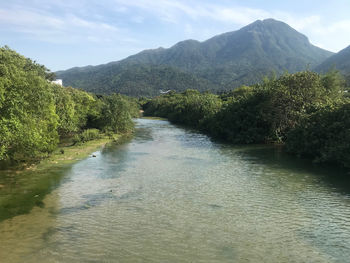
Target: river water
173, 195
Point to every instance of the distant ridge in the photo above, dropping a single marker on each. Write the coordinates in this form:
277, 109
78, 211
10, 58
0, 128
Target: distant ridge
339, 61
223, 62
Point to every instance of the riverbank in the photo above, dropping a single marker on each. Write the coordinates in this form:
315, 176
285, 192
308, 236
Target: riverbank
173, 194
315, 128
69, 154
22, 188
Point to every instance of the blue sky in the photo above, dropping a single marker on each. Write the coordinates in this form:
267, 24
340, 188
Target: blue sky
65, 33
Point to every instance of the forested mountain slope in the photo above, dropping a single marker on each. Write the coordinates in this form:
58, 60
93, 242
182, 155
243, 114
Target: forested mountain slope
224, 61
339, 61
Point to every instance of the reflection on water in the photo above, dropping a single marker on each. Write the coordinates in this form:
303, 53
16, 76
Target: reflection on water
173, 195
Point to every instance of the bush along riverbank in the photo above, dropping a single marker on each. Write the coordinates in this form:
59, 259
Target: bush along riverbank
37, 116
307, 112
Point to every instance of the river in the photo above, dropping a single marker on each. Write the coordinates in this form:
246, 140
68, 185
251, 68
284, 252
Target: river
173, 195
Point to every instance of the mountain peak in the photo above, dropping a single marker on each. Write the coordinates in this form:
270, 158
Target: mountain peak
269, 23
187, 43
276, 32
228, 60
272, 20
266, 21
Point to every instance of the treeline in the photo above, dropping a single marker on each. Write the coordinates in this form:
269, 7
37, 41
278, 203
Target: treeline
35, 114
308, 112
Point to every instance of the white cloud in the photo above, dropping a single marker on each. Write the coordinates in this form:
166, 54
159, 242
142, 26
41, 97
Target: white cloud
47, 27
173, 11
333, 36
22, 18
137, 19
330, 35
85, 20
188, 30
238, 15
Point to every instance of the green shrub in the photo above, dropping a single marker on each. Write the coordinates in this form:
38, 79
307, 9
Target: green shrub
87, 135
324, 136
90, 134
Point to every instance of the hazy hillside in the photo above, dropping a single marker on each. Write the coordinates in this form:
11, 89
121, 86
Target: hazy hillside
133, 80
339, 61
227, 60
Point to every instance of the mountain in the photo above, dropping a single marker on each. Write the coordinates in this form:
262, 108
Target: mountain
222, 62
133, 80
339, 61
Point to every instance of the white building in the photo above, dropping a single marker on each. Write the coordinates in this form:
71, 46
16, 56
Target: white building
57, 81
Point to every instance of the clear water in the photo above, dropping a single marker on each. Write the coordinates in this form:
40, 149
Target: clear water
172, 195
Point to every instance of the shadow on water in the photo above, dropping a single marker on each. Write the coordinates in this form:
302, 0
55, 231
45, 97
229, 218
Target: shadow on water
332, 176
23, 190
146, 128
116, 159
93, 200
143, 134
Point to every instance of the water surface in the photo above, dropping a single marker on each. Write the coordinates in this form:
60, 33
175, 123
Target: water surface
173, 195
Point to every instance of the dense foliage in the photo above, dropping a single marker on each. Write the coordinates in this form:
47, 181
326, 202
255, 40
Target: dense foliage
34, 113
115, 113
307, 111
28, 121
221, 63
189, 108
325, 135
87, 135
347, 82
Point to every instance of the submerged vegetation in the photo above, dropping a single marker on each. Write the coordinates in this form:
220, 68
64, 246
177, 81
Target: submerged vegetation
35, 114
306, 111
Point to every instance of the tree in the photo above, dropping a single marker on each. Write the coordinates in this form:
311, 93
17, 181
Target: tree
28, 120
115, 115
65, 109
323, 136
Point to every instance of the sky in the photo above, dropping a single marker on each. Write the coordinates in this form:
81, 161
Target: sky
61, 34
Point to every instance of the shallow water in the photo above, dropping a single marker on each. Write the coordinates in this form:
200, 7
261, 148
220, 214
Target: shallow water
173, 195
